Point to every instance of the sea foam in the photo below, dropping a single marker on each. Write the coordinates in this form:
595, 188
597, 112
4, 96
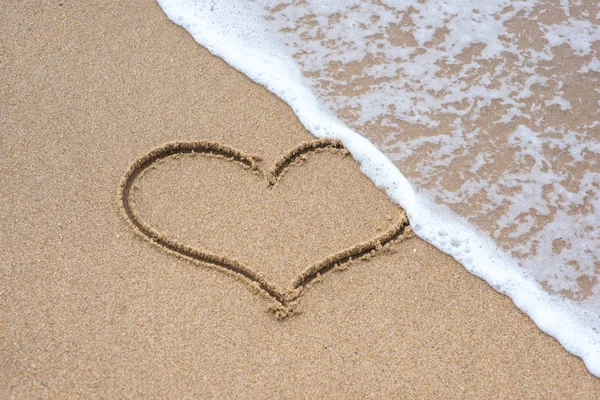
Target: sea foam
489, 109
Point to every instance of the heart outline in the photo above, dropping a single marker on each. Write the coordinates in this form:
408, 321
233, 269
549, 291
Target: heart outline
284, 298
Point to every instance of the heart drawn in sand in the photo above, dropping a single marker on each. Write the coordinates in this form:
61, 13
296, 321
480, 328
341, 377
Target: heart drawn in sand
285, 299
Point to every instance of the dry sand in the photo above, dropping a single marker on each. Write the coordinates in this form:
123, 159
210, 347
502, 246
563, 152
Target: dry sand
90, 309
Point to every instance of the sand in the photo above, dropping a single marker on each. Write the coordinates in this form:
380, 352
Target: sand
91, 309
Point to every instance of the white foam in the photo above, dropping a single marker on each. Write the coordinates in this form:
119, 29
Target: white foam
579, 34
238, 32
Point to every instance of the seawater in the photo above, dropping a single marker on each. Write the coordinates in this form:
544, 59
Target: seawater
480, 117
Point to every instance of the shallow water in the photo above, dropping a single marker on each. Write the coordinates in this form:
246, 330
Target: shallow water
490, 109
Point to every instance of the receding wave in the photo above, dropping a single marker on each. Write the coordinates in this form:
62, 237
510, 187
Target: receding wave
490, 110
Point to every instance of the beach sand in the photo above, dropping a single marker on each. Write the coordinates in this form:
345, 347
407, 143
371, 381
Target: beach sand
90, 309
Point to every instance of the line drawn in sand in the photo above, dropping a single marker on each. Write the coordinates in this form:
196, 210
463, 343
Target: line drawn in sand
284, 299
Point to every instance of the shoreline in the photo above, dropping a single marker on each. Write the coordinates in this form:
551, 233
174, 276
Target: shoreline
91, 310
436, 223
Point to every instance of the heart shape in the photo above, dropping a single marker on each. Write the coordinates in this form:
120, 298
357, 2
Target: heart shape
285, 299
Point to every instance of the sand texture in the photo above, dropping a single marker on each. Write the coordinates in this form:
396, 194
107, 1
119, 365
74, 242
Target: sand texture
221, 269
